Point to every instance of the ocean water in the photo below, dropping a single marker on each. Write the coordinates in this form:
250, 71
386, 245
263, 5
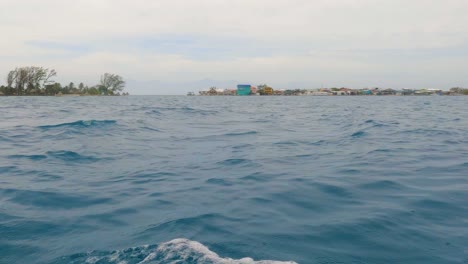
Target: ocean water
161, 179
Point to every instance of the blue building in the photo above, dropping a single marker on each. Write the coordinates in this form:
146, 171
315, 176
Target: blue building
243, 89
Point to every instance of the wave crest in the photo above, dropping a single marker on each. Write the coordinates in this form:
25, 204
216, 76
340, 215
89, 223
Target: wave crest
81, 123
188, 251
176, 251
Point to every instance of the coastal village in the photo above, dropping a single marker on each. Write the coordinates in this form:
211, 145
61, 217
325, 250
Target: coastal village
265, 90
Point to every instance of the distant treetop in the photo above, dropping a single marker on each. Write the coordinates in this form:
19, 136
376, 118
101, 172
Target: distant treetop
33, 80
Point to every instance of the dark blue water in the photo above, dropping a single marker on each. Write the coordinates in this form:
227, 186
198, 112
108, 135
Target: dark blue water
303, 179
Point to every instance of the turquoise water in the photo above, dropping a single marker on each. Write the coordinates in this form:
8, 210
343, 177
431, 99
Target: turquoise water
159, 179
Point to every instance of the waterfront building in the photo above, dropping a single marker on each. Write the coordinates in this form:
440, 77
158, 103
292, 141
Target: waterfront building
244, 89
318, 93
422, 92
278, 92
268, 90
229, 92
253, 90
388, 91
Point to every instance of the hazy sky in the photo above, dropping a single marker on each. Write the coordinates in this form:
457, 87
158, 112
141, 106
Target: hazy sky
174, 46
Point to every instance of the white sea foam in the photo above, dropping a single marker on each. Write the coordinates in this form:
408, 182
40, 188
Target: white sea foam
194, 252
177, 251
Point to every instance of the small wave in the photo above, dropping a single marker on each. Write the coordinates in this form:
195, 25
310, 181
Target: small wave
302, 156
153, 111
334, 190
218, 136
184, 110
286, 143
71, 156
4, 139
7, 169
241, 133
230, 162
359, 134
242, 146
318, 143
45, 177
177, 251
47, 199
382, 185
81, 124
377, 124
199, 111
374, 123
61, 155
349, 171
433, 204
429, 132
151, 129
260, 177
31, 157
220, 182
380, 150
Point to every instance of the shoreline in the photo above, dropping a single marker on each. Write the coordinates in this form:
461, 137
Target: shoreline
264, 90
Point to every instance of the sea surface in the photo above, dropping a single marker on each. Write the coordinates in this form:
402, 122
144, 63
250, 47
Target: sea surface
175, 179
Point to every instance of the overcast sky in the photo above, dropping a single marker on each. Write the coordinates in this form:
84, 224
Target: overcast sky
175, 46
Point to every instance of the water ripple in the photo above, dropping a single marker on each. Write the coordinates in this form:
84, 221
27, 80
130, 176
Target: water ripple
81, 124
306, 179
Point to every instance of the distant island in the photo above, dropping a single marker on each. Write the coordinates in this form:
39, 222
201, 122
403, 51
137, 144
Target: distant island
265, 90
37, 81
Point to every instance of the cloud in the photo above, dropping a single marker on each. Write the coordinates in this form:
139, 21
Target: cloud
279, 42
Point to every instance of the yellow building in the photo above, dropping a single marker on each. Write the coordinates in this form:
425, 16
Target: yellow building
268, 91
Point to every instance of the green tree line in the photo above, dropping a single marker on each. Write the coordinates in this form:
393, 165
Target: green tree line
37, 81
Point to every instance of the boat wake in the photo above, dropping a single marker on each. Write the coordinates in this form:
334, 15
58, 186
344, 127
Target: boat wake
177, 251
